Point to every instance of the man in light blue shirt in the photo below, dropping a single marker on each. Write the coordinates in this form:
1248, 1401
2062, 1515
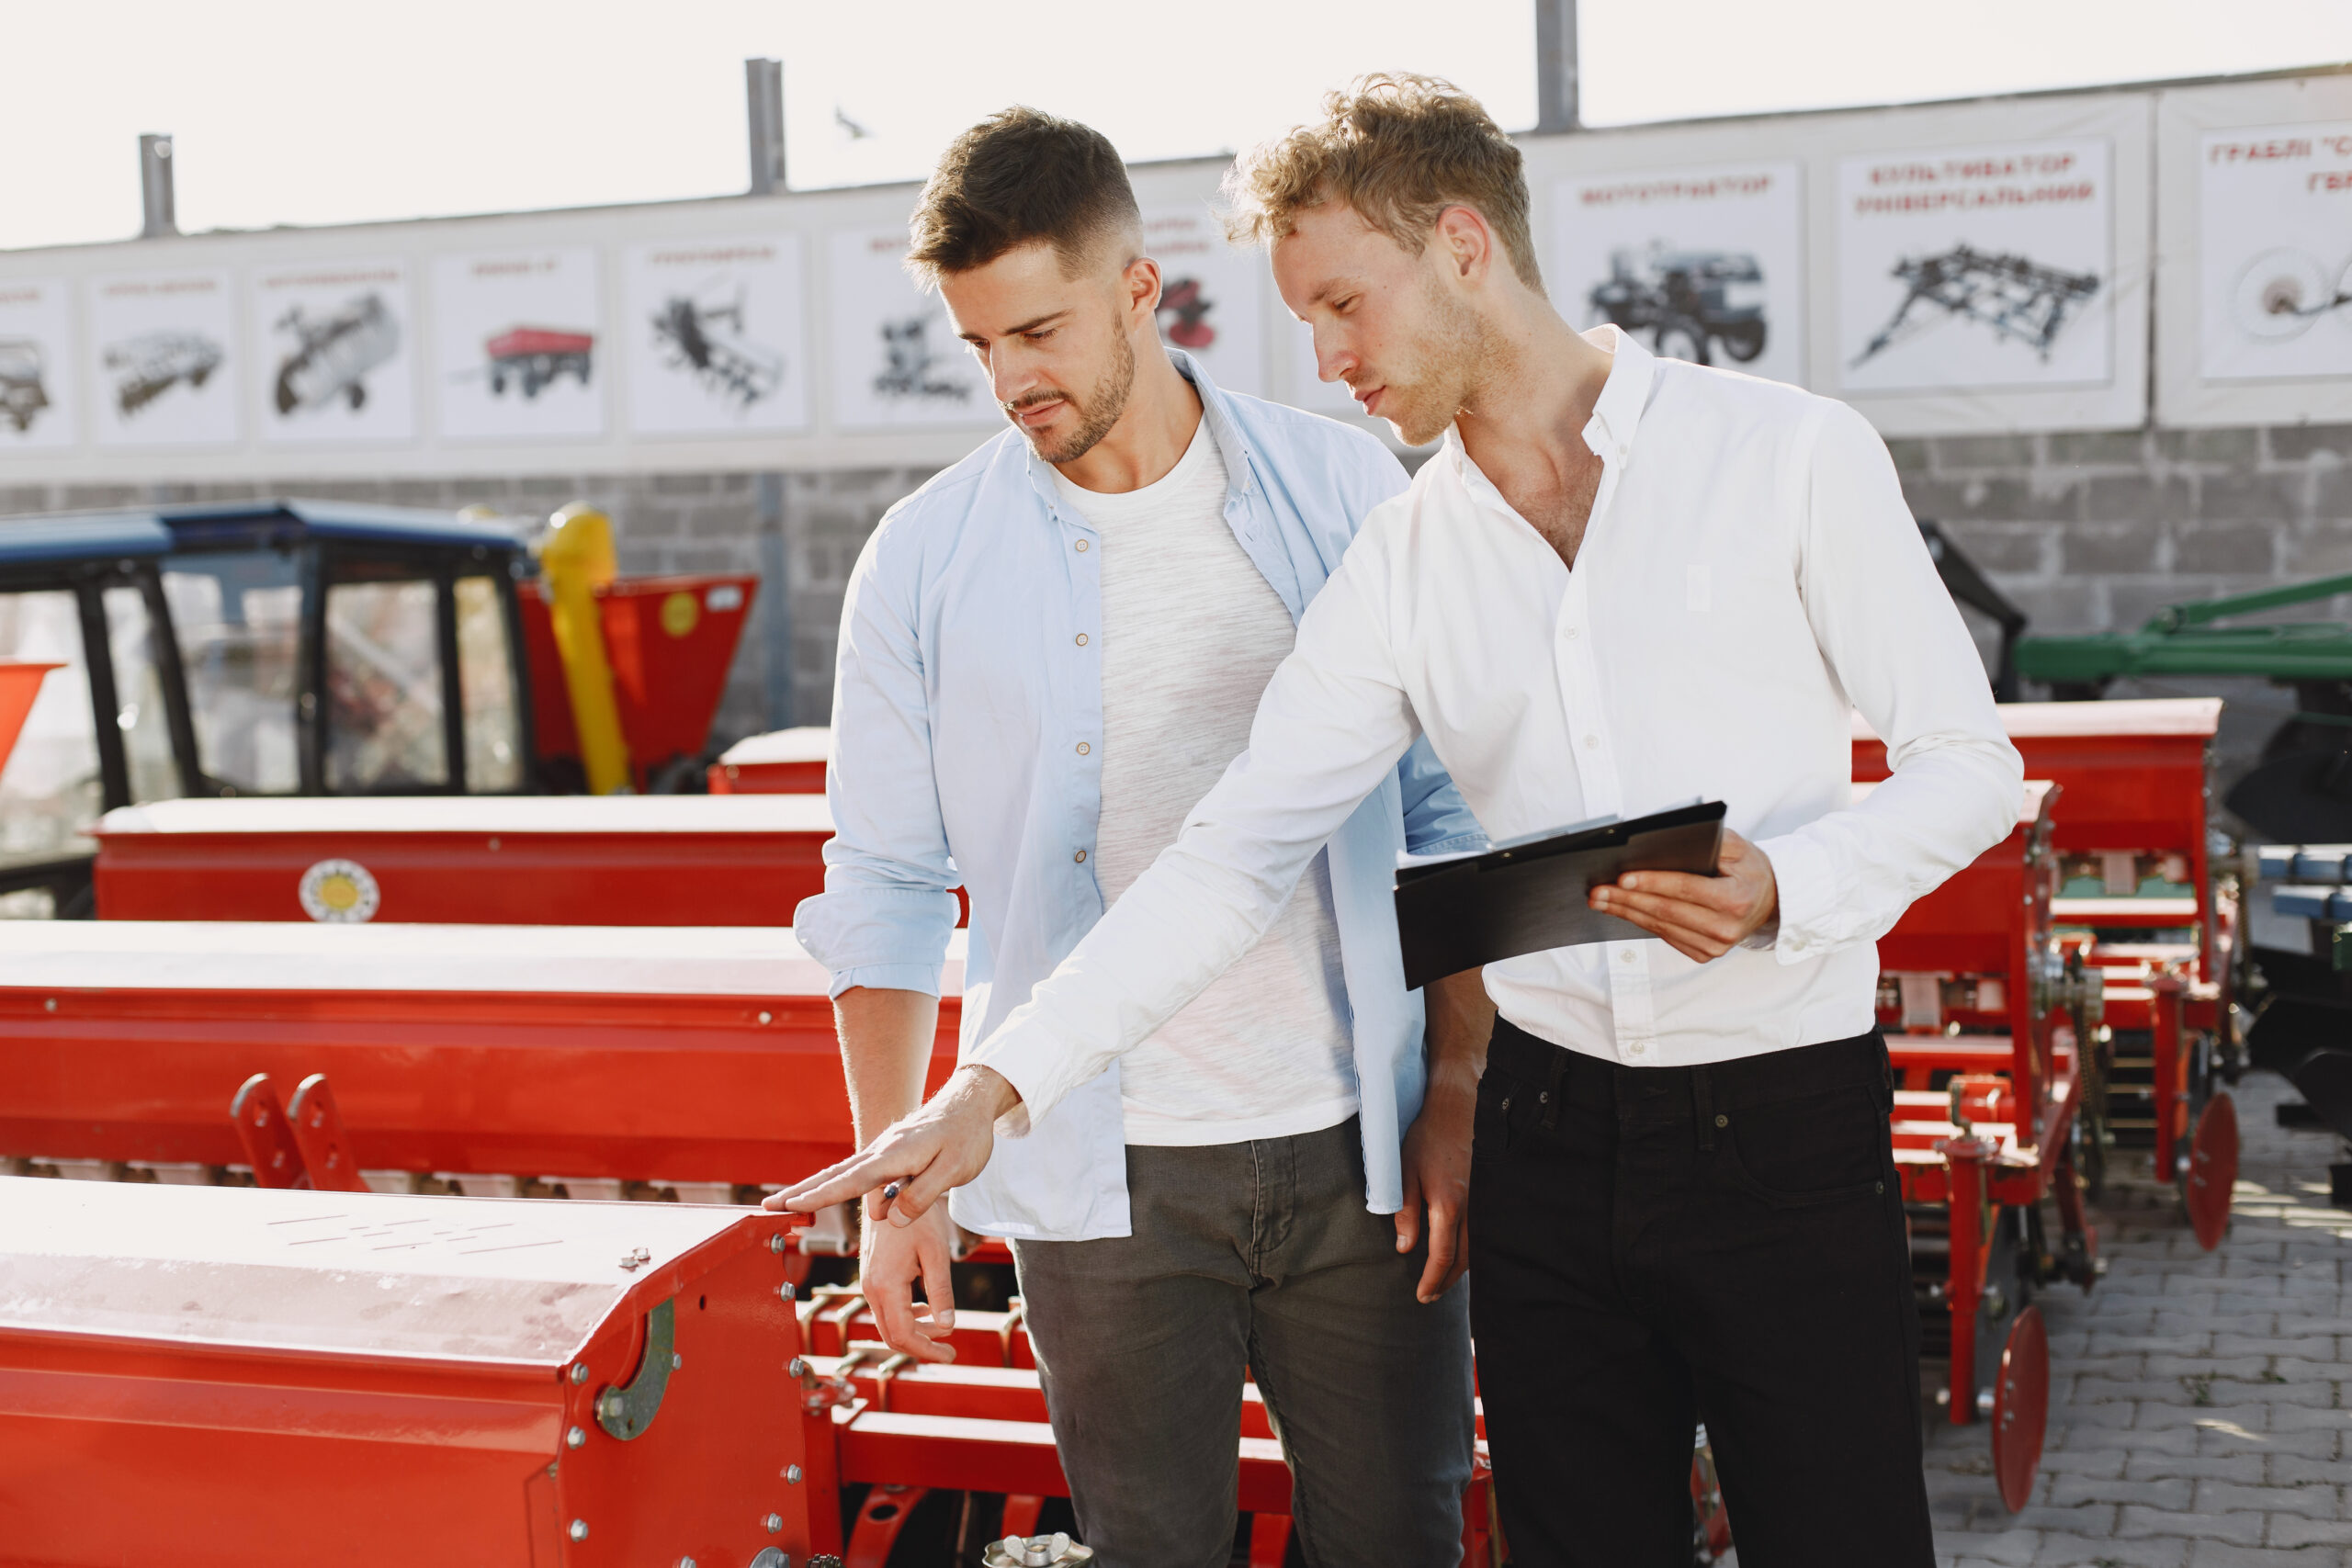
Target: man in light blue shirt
1047, 655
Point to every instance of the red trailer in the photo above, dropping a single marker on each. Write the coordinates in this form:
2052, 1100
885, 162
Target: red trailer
1985, 1011
2138, 892
783, 762
487, 860
520, 1059
534, 358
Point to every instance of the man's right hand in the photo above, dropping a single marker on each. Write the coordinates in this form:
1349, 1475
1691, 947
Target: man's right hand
891, 1259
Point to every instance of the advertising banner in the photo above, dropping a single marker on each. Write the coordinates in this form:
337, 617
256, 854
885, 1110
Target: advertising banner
896, 359
37, 392
1212, 295
517, 336
717, 335
1977, 268
2275, 253
1701, 264
163, 358
337, 351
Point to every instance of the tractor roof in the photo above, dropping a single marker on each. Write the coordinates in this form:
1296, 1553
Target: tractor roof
162, 530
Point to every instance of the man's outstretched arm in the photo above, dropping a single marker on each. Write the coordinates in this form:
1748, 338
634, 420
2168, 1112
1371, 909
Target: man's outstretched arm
1332, 722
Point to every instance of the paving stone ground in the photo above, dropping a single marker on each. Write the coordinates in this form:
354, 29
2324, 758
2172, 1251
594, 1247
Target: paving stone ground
2198, 1415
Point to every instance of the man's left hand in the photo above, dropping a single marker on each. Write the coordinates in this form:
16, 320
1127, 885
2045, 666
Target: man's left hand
1437, 1177
942, 1145
1701, 917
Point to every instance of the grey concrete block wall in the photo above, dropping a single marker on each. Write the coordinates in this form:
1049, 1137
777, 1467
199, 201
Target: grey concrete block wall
2087, 531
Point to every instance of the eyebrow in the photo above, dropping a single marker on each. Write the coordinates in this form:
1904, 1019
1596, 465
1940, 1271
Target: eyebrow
1028, 326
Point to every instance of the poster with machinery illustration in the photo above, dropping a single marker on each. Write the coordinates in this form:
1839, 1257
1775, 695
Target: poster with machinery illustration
518, 339
716, 334
37, 393
1703, 263
1212, 295
162, 362
1977, 268
2275, 253
897, 360
336, 342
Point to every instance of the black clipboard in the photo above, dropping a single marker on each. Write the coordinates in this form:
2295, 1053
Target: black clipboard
1528, 895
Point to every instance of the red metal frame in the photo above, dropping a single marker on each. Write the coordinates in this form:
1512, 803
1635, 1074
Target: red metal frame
784, 762
554, 1071
276, 1404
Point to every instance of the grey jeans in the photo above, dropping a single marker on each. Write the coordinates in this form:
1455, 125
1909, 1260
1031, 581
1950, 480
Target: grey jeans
1256, 1255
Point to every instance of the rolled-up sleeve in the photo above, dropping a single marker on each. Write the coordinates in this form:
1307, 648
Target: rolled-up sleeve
1333, 720
1895, 639
888, 909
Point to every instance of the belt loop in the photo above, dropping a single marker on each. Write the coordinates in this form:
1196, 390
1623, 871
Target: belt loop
1559, 1069
1702, 1108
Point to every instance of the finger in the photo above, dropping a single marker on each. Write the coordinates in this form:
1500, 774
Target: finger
1712, 893
852, 1179
938, 1284
1408, 1218
1653, 912
1436, 1273
923, 1187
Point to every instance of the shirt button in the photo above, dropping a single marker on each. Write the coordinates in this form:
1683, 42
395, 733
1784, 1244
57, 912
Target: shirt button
1081, 639
1570, 634
1083, 748
1080, 857
1081, 546
1590, 741
1624, 956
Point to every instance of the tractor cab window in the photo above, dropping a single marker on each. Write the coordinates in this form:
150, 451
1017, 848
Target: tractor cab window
153, 772
488, 688
385, 726
238, 617
51, 789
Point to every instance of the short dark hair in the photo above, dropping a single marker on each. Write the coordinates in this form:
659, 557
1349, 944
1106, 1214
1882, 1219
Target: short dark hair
1019, 177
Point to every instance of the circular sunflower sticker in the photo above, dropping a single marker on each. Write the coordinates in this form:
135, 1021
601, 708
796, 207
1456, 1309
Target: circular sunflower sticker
340, 892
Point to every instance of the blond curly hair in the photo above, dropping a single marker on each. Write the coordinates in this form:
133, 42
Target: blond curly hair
1399, 149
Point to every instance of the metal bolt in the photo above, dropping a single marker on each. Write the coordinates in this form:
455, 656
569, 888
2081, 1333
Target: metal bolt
792, 1475
574, 1437
776, 1242
580, 1529
766, 1016
676, 1362
786, 1291
1722, 1120
685, 1563
579, 1372
774, 1523
798, 1366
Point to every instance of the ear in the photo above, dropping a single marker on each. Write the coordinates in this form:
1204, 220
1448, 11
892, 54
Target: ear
1140, 285
1465, 244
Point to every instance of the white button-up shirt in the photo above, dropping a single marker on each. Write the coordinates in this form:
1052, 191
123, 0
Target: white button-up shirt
1750, 574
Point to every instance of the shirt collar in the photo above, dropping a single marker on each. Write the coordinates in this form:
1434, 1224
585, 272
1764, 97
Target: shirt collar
1616, 414
1232, 446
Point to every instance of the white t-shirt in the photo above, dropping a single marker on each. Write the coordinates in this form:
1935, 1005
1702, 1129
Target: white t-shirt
1191, 632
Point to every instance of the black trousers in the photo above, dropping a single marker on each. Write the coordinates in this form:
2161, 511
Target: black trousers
1656, 1246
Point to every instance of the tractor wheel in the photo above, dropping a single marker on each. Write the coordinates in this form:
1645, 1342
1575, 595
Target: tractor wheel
1743, 339
2020, 1408
1679, 337
357, 395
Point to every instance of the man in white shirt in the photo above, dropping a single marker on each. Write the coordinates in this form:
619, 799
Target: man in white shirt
1622, 582
1048, 654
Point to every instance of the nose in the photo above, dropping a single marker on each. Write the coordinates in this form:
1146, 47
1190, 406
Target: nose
1333, 359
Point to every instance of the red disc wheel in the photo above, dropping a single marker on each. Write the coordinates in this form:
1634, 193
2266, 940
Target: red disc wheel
2212, 1171
2020, 1408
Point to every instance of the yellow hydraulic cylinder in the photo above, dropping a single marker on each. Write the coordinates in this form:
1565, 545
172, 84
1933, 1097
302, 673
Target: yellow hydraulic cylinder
577, 556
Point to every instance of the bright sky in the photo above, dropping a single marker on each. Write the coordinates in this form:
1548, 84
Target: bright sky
304, 113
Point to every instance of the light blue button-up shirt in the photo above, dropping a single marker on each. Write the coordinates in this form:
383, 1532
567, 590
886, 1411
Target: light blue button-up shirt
968, 673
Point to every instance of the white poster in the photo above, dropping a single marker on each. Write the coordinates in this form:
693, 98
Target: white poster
1706, 264
2275, 253
162, 359
519, 345
37, 401
1977, 268
717, 336
895, 358
1211, 295
337, 344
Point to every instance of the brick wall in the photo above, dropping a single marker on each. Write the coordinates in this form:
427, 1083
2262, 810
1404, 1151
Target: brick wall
2085, 531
